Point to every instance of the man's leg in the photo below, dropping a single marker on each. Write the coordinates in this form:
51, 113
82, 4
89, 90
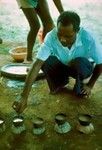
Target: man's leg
34, 24
80, 69
56, 73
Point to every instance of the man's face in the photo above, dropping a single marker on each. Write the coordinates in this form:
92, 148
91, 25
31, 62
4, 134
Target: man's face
66, 35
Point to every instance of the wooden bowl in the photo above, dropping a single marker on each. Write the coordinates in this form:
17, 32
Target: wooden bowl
18, 53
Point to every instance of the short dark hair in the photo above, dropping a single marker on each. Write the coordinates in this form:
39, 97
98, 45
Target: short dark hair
69, 17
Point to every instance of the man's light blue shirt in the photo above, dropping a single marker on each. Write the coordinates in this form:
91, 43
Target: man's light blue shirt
85, 46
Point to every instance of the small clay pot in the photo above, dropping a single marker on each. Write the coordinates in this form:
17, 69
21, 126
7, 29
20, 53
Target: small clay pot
61, 125
38, 123
18, 121
60, 118
84, 119
38, 126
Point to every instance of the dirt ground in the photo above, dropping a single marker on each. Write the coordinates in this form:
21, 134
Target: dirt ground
41, 103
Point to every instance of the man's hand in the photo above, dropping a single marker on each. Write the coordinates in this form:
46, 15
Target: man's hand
20, 104
86, 90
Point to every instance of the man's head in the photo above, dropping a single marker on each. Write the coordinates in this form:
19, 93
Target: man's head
68, 24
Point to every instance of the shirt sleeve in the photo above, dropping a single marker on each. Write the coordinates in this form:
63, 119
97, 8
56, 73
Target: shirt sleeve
96, 52
45, 49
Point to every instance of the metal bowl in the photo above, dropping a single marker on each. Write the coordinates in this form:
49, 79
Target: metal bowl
18, 71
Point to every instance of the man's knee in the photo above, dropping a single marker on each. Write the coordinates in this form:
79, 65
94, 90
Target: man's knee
51, 61
81, 67
52, 65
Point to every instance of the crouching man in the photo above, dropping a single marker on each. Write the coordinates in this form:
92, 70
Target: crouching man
65, 52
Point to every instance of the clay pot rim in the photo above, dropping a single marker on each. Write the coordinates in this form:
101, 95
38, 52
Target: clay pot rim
85, 122
38, 119
60, 114
18, 117
13, 51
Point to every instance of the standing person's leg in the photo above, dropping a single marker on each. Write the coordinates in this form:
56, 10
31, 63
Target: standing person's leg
44, 14
34, 24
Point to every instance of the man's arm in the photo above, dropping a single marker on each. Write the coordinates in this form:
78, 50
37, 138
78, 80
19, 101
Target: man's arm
96, 73
32, 74
21, 104
58, 5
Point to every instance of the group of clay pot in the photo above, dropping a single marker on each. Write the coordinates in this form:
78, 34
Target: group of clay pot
61, 126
